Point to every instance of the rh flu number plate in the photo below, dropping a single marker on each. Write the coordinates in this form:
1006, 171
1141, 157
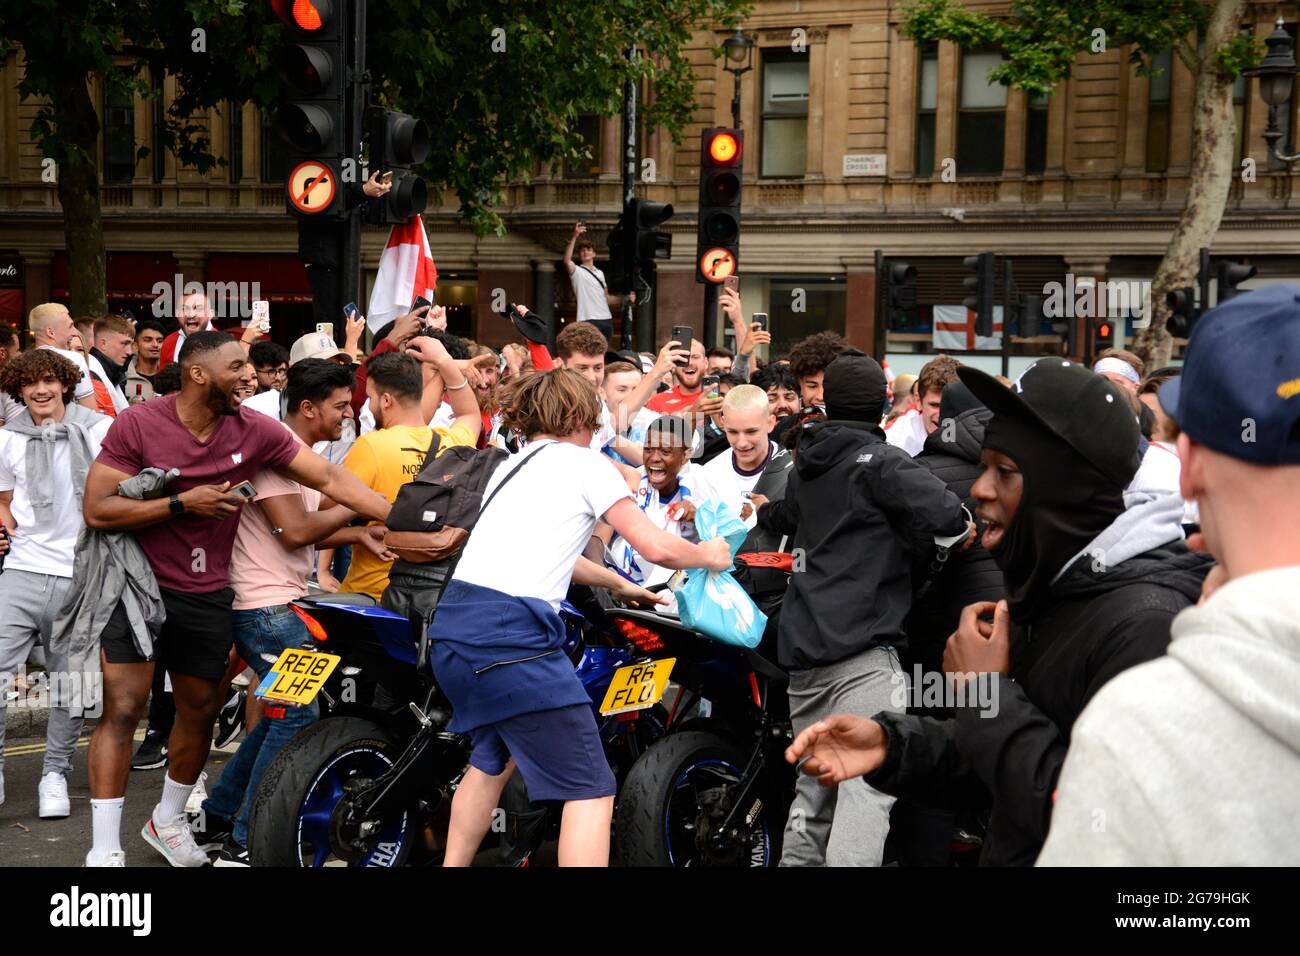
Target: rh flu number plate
296, 677
637, 686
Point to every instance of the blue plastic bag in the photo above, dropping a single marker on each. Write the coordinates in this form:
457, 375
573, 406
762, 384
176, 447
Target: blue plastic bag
713, 602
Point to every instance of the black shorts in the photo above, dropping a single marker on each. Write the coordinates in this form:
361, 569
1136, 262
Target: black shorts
196, 638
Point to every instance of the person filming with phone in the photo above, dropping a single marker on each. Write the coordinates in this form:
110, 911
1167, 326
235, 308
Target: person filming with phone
589, 288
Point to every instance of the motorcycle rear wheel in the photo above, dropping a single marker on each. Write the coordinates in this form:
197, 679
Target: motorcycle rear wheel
675, 794
295, 821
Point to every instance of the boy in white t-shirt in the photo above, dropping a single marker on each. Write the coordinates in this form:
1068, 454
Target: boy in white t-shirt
664, 496
589, 288
511, 687
41, 483
747, 420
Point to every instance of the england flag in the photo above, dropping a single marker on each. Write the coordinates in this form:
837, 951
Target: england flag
954, 330
406, 270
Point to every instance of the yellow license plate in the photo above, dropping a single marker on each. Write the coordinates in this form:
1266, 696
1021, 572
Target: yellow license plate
296, 677
637, 686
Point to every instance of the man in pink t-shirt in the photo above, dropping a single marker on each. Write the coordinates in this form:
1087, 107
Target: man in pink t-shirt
187, 539
269, 567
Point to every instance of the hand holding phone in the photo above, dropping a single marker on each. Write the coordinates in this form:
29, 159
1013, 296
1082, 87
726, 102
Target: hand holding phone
387, 178
262, 315
683, 334
710, 384
760, 319
244, 489
732, 282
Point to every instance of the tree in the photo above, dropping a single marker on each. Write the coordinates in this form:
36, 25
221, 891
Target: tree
1041, 40
501, 84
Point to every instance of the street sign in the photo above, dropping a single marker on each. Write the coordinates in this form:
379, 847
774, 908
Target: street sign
717, 263
311, 187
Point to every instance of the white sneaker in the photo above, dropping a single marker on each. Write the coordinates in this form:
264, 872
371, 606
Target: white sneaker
2, 788
197, 795
53, 793
116, 858
174, 842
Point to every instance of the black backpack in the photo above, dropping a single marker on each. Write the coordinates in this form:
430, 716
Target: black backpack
434, 513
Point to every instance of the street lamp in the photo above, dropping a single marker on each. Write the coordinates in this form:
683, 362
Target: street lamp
1276, 75
739, 49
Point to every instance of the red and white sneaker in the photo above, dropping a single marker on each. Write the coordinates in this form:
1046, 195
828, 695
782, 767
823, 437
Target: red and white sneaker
175, 842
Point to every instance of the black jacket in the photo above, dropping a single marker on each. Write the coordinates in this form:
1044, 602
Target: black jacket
966, 577
852, 504
1101, 621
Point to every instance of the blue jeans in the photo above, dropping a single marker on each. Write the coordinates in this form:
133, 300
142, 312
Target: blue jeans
266, 630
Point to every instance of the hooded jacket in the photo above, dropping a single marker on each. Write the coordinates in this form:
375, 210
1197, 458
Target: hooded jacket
852, 504
1195, 757
952, 454
1108, 609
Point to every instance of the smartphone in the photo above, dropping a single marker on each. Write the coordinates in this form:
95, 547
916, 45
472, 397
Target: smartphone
683, 334
387, 177
244, 489
759, 319
350, 310
419, 303
262, 314
731, 282
710, 384
325, 328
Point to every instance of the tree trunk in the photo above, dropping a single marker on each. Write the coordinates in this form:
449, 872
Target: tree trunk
78, 181
1214, 131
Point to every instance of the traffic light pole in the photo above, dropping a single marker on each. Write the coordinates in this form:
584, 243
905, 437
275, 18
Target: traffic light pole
350, 262
629, 188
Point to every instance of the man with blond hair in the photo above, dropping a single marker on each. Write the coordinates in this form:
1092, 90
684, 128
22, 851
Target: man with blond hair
747, 421
51, 327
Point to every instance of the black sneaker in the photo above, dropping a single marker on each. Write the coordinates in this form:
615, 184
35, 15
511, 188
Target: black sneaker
232, 854
210, 831
231, 719
152, 752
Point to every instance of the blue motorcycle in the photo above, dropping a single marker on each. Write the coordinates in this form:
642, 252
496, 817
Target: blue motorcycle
370, 784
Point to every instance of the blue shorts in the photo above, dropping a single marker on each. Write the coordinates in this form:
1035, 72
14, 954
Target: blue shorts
558, 752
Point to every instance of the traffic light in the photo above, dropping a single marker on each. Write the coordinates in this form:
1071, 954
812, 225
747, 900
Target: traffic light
636, 243
397, 142
898, 279
312, 120
718, 245
1182, 312
981, 284
1103, 336
1230, 275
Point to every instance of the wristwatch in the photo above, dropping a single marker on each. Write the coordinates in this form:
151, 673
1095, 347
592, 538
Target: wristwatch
175, 505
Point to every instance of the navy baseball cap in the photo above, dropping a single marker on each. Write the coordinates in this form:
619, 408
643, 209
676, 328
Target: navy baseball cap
1239, 393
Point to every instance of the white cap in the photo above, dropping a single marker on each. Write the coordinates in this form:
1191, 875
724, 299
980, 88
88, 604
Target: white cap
315, 345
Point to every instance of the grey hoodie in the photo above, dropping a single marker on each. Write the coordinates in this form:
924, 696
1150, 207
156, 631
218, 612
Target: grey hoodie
1194, 759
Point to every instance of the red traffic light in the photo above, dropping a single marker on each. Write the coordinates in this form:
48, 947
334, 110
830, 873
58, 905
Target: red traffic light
724, 148
309, 16
1103, 330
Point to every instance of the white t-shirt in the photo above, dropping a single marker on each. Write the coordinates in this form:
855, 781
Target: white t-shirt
529, 537
720, 480
604, 433
9, 406
907, 432
48, 549
590, 293
657, 510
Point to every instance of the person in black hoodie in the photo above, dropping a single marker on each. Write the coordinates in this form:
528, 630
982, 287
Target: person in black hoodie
1092, 591
946, 582
852, 503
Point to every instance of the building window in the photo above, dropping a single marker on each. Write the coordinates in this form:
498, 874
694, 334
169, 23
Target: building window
1036, 134
274, 167
1158, 111
588, 127
119, 136
981, 116
784, 139
236, 157
927, 104
824, 299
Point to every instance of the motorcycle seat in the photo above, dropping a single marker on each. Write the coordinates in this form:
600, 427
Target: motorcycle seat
344, 598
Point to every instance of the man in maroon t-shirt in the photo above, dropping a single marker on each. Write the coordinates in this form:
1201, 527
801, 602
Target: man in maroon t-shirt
187, 539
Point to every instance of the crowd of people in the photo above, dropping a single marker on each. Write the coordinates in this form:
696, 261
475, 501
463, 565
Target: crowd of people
1097, 563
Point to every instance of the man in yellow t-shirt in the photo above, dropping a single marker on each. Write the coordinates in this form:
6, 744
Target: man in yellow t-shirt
393, 454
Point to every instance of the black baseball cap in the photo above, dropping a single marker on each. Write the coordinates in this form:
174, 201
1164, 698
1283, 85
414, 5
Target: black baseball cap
623, 355
1083, 409
530, 326
1239, 393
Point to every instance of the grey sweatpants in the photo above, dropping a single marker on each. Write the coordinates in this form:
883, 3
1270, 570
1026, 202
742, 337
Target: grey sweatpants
844, 825
28, 605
